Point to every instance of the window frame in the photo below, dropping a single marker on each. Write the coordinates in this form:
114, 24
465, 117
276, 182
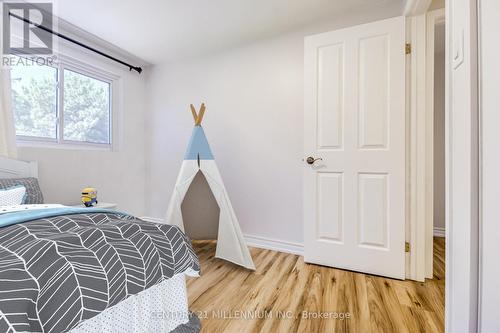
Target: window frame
61, 63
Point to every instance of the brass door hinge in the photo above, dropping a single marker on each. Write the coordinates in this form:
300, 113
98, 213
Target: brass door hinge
408, 48
407, 247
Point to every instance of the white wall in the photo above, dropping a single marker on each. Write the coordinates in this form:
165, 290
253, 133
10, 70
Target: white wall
119, 176
490, 233
254, 123
439, 147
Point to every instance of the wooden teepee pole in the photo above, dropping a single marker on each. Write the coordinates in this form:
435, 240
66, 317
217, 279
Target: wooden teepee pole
198, 116
193, 112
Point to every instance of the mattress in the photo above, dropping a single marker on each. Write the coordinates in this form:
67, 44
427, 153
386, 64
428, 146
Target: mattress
64, 268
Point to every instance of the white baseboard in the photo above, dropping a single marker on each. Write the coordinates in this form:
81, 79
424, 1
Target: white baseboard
256, 241
274, 244
439, 232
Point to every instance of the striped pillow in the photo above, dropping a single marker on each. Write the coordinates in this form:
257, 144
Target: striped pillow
13, 196
33, 192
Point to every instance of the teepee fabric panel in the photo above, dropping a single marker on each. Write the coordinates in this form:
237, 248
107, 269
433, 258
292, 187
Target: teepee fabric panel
189, 169
198, 147
231, 245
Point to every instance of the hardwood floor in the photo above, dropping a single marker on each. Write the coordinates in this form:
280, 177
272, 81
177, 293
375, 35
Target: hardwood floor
228, 298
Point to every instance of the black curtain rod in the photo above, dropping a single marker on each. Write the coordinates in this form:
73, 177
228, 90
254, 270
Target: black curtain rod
135, 68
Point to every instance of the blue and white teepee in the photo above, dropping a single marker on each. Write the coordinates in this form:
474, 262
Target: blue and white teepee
231, 245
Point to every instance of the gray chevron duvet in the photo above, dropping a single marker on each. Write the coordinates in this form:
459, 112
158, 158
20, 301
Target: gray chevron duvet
58, 271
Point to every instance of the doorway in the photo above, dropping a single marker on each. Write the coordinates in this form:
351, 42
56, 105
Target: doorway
435, 156
439, 131
439, 153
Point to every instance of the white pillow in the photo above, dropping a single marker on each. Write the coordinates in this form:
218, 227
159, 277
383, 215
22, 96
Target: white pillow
12, 196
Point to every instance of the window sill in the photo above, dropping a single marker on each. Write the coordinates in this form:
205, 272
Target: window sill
64, 145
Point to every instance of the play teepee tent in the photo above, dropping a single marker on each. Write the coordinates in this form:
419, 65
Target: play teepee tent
230, 242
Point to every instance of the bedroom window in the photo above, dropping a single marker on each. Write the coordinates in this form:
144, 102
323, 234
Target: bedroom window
64, 105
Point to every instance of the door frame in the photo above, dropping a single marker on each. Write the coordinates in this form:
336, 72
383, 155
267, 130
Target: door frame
462, 148
416, 147
420, 144
462, 166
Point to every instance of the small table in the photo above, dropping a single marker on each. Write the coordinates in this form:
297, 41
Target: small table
103, 205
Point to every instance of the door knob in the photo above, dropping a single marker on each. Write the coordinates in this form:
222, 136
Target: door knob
310, 160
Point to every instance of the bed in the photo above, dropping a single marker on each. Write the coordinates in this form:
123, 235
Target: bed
66, 269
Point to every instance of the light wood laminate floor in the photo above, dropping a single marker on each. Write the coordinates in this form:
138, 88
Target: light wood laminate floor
229, 298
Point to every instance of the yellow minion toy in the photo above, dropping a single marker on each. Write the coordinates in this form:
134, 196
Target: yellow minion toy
89, 196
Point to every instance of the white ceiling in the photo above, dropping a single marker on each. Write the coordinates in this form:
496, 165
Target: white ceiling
163, 30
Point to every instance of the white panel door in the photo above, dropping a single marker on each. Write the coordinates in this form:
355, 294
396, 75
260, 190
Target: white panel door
354, 196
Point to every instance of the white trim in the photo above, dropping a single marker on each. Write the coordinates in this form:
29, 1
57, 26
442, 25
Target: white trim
89, 69
488, 69
64, 145
439, 232
256, 241
274, 244
420, 145
482, 190
416, 157
462, 167
416, 7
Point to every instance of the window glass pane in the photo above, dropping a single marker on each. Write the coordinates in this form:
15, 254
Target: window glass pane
34, 100
86, 108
